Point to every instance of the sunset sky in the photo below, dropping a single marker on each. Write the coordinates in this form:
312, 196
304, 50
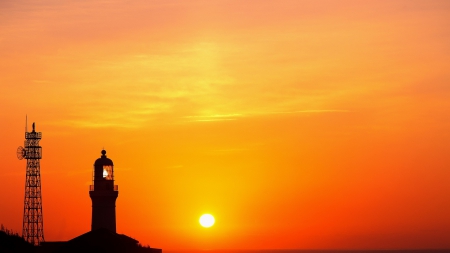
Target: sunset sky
297, 124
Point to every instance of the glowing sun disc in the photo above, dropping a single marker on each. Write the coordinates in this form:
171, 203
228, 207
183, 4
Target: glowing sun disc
207, 220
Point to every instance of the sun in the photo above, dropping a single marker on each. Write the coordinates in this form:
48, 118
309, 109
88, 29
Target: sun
207, 220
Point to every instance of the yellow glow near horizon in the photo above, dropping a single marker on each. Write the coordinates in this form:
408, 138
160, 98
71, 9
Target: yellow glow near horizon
207, 220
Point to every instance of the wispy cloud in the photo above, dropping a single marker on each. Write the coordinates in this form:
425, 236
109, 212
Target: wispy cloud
215, 117
307, 111
175, 167
41, 81
235, 116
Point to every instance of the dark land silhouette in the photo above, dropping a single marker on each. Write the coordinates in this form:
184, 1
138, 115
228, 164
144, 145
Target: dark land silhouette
11, 242
99, 240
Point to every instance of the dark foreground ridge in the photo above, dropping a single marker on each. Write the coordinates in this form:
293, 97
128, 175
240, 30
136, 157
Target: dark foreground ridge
12, 242
100, 240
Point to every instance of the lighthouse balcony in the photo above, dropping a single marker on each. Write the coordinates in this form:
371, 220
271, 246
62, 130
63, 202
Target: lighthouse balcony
92, 188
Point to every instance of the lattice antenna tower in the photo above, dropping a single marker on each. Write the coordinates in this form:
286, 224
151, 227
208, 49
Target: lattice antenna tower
33, 225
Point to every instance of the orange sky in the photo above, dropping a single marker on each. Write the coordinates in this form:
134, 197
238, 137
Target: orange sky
297, 124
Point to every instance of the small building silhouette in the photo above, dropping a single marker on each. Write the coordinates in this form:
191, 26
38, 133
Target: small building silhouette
97, 241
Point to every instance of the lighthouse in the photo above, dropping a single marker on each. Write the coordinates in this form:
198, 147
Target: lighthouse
103, 194
103, 236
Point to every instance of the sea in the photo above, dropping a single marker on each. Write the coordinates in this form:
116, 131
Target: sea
310, 251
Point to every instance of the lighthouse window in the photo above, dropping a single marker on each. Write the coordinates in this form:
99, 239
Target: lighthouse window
108, 172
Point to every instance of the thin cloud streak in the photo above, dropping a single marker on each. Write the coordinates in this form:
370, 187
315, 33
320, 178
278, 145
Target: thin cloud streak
225, 117
309, 111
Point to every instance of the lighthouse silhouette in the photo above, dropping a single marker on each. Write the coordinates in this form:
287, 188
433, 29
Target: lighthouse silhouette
103, 236
103, 194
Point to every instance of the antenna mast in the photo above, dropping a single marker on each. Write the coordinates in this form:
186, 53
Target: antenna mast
33, 226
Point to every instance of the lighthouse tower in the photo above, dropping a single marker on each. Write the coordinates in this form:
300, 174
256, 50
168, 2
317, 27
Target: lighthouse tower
103, 194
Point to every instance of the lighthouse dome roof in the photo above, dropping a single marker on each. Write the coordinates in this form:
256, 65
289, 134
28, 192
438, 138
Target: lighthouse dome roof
103, 160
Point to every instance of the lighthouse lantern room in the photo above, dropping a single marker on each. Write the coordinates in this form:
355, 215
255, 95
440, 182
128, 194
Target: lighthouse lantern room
103, 194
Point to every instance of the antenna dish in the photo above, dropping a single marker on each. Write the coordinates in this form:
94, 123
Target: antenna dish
21, 153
